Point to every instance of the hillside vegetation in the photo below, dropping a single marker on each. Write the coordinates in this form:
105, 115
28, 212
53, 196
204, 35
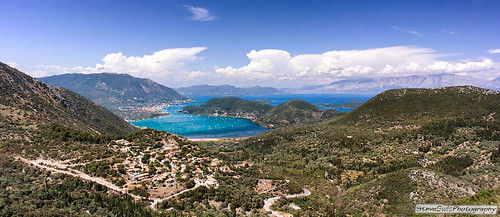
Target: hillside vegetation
26, 102
62, 155
292, 112
348, 105
126, 96
402, 147
229, 107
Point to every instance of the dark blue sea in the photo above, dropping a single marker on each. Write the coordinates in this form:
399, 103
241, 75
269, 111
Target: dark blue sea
194, 126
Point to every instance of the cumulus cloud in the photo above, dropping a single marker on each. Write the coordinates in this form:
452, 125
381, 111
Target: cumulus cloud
38, 71
278, 65
160, 65
279, 68
163, 66
494, 51
199, 14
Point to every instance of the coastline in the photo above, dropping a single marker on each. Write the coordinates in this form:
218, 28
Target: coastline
217, 139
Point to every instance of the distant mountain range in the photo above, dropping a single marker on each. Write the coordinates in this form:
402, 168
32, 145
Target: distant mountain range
376, 85
122, 94
227, 90
110, 88
27, 103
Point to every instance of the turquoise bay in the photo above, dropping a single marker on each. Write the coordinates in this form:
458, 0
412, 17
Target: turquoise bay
194, 126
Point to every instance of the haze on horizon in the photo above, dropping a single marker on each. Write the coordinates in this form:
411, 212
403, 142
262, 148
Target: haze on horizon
269, 43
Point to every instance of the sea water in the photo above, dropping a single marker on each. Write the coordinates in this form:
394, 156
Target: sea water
195, 126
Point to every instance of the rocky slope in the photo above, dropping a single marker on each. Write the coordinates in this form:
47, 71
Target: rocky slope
27, 103
127, 96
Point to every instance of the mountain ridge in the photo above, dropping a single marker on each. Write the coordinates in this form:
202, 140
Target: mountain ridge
225, 90
377, 85
290, 113
110, 86
229, 107
38, 103
123, 94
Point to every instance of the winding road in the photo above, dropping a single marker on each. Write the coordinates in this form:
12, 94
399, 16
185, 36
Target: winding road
270, 201
68, 171
60, 167
158, 200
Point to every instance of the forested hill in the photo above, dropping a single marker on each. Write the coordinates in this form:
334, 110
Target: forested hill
402, 147
26, 103
292, 112
230, 107
109, 89
421, 105
289, 113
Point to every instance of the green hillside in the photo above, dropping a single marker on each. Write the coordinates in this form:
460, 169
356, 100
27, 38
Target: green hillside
229, 107
331, 114
122, 94
26, 103
400, 148
417, 105
348, 105
292, 112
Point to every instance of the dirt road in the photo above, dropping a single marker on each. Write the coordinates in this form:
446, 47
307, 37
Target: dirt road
158, 200
270, 201
63, 168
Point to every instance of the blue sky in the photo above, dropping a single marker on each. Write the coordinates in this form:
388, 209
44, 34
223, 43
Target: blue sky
243, 42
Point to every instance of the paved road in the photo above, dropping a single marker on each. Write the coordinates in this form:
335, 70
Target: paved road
270, 201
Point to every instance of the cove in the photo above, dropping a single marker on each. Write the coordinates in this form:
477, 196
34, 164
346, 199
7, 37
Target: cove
194, 126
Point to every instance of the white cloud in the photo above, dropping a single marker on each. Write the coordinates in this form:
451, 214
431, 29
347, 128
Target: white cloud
161, 65
413, 32
38, 71
167, 65
279, 68
199, 14
494, 51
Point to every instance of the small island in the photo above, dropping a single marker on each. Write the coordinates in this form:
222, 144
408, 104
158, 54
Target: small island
291, 113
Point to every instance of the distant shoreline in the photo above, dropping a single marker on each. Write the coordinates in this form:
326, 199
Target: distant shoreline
216, 139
